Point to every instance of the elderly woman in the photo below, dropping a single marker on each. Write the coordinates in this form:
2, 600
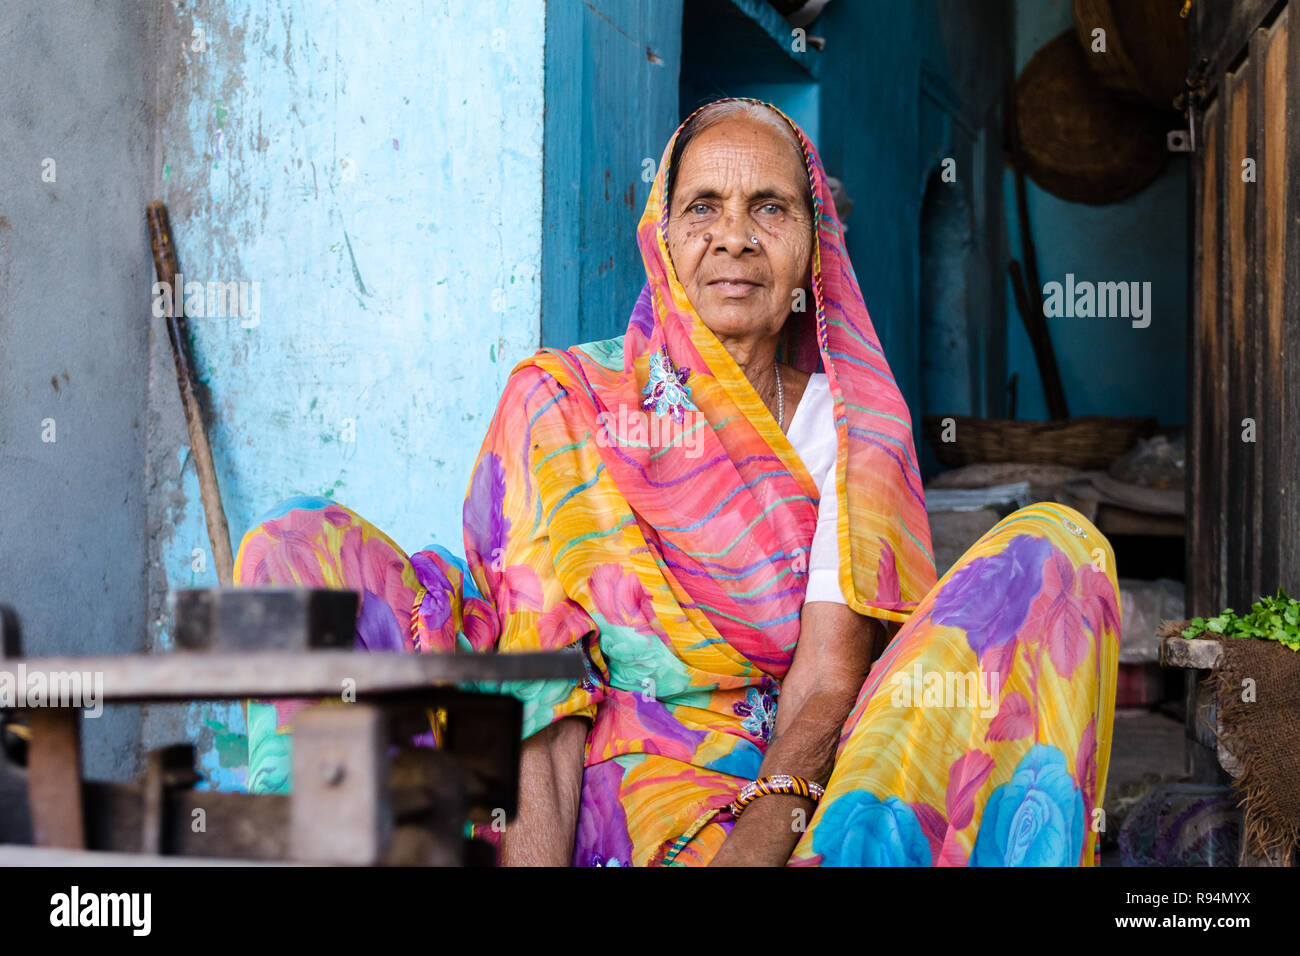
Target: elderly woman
721, 512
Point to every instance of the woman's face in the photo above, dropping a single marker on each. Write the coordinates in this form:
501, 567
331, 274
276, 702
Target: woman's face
741, 180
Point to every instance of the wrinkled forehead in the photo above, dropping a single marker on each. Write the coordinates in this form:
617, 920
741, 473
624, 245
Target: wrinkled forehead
746, 137
699, 126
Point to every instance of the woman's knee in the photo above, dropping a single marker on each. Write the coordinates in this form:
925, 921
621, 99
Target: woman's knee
296, 503
1011, 554
1060, 523
258, 539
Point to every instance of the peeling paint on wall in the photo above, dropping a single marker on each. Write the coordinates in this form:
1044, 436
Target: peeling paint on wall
380, 179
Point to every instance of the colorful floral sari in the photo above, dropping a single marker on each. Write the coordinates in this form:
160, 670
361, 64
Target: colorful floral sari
635, 503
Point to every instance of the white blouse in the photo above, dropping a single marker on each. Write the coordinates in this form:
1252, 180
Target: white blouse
812, 433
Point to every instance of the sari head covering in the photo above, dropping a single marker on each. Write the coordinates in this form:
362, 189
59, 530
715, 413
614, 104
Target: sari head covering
634, 500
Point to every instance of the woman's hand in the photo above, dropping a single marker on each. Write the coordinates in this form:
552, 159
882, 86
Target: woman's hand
831, 661
550, 792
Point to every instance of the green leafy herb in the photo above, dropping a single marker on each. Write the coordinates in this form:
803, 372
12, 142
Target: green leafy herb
1270, 619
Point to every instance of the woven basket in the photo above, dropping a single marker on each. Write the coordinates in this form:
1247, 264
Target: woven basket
1076, 140
1090, 442
1146, 57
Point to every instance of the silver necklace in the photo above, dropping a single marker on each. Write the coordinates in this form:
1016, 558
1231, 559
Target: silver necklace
780, 397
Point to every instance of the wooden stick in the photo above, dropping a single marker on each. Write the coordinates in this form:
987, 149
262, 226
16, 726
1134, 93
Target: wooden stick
1029, 302
167, 267
1025, 287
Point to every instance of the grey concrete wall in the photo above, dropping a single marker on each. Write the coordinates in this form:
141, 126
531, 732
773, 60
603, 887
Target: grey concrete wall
78, 80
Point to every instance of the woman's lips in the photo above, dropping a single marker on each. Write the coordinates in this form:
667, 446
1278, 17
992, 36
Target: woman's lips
733, 288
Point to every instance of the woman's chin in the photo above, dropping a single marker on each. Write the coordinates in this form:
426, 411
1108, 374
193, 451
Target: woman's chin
737, 320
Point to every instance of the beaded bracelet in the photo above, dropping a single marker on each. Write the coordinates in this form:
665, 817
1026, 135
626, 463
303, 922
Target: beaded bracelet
782, 783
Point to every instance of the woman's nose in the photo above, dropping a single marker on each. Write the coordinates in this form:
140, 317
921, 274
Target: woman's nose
735, 234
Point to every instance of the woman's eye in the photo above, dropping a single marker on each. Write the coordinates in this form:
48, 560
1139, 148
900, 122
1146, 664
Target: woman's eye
770, 208
699, 209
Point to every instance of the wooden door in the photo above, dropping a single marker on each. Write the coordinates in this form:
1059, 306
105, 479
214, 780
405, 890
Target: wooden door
1243, 490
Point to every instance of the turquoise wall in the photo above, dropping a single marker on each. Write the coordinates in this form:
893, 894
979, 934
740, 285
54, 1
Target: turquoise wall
611, 104
1107, 366
381, 178
904, 86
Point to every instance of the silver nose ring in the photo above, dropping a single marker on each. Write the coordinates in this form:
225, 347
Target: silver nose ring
753, 240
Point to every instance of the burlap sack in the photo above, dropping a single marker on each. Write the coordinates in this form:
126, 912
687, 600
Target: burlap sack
1257, 686
1264, 734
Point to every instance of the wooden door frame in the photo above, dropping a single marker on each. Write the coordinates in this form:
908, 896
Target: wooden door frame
1242, 524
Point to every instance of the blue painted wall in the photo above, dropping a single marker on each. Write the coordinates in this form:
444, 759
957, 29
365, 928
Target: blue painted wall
745, 48
611, 104
381, 178
1107, 366
904, 86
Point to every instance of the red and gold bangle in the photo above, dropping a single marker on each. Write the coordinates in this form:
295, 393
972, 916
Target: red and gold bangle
777, 783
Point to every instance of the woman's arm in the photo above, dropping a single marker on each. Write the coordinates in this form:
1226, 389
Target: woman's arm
835, 651
550, 789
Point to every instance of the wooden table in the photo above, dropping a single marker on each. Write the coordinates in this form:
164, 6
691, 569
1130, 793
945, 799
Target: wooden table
362, 792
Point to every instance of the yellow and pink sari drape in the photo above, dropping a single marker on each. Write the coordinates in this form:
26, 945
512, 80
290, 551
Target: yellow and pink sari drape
635, 502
